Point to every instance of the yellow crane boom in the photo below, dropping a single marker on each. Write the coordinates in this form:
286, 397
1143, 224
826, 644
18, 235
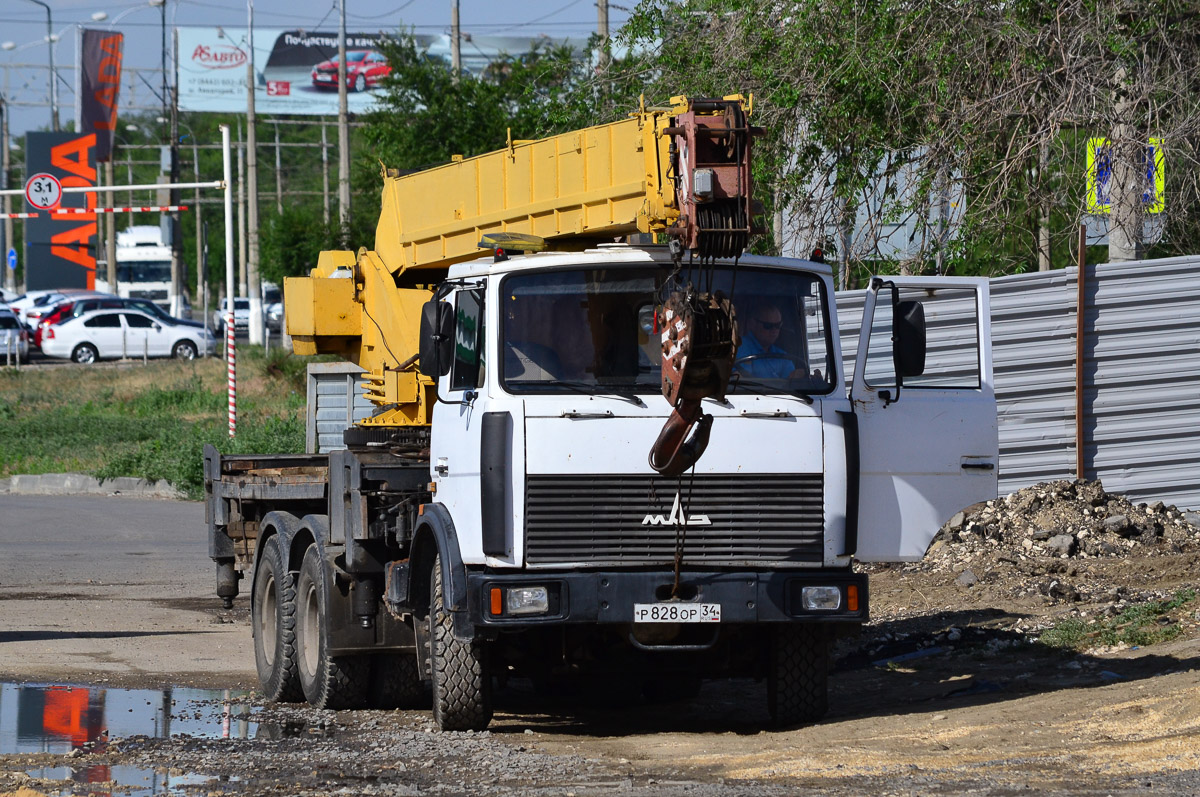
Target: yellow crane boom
572, 190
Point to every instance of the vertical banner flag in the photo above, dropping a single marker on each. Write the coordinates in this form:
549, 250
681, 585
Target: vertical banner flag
61, 249
100, 87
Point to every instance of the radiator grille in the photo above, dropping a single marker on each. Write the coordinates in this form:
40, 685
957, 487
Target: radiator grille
598, 519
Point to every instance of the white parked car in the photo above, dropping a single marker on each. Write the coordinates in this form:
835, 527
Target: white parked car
14, 337
103, 334
241, 316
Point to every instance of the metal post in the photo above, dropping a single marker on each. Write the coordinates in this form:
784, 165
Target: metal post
178, 269
253, 289
240, 288
278, 175
53, 75
325, 171
230, 349
1080, 312
10, 278
343, 128
110, 227
201, 274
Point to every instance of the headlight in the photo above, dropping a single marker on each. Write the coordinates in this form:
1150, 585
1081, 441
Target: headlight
821, 598
520, 600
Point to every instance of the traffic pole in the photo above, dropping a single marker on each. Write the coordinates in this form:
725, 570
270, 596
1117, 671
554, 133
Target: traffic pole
230, 346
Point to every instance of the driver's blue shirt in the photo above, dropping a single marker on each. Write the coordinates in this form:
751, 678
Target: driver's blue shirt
765, 367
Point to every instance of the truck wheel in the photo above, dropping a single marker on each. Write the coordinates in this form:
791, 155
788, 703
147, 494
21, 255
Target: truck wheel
328, 681
275, 626
462, 686
797, 681
396, 681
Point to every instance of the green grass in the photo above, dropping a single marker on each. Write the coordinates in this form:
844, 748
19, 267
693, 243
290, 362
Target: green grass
149, 421
1140, 625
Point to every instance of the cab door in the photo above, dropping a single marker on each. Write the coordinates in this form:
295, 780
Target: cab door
458, 417
928, 442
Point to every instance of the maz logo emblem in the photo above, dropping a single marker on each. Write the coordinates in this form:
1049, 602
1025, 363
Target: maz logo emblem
677, 517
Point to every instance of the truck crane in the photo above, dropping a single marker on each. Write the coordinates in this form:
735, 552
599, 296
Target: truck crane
528, 321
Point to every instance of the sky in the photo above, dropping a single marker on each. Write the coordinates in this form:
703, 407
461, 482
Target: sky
24, 80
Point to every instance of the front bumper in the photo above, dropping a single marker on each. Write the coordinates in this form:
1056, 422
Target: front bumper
746, 597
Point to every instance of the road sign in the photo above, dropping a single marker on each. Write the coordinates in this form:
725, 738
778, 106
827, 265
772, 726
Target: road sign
12, 259
43, 191
1099, 177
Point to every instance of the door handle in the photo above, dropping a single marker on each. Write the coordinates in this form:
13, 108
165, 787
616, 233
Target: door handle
979, 466
442, 467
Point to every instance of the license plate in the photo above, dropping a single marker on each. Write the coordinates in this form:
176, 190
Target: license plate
674, 612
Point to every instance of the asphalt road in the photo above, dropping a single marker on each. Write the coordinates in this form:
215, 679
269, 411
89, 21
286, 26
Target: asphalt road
114, 590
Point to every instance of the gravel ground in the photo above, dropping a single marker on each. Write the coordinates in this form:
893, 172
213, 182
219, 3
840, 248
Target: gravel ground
953, 689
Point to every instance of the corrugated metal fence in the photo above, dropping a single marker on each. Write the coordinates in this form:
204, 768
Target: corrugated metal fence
1141, 376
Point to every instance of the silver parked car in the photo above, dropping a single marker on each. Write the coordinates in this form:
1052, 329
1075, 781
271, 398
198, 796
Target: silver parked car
14, 337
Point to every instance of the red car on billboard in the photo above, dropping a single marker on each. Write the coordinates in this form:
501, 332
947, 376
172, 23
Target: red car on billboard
364, 70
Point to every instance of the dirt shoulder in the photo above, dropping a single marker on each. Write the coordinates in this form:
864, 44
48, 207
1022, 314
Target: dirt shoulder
952, 688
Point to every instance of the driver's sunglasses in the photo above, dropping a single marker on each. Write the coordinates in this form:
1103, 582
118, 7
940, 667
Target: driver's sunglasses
770, 326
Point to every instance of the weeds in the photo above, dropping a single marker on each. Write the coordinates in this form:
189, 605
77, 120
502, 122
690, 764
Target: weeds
150, 422
1140, 625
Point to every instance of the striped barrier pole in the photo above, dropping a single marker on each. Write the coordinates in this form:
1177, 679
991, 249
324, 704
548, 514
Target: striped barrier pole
231, 365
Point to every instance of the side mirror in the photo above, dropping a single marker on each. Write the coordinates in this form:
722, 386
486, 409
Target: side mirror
437, 337
908, 338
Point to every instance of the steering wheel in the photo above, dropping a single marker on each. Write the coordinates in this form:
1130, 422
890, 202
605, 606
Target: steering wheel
768, 355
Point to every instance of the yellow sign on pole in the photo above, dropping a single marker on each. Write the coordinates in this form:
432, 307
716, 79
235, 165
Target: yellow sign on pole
1100, 177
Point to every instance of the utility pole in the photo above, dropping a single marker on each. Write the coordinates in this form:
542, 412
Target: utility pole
1043, 201
325, 171
1128, 151
252, 284
602, 31
455, 40
177, 270
240, 288
343, 128
53, 75
201, 257
278, 175
10, 275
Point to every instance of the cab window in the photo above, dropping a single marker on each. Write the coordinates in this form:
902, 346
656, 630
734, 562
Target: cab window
466, 372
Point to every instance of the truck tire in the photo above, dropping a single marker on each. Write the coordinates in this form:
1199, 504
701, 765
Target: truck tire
462, 685
274, 625
328, 681
396, 681
797, 680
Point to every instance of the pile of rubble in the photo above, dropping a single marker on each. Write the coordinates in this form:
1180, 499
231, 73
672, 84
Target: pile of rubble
1064, 520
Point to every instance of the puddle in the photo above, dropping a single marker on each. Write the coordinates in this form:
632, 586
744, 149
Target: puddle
59, 719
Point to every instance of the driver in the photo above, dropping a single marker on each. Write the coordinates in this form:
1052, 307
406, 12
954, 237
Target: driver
770, 361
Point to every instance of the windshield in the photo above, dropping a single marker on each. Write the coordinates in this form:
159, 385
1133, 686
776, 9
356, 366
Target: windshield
600, 329
147, 271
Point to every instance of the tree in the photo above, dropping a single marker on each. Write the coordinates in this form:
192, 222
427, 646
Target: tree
999, 97
430, 115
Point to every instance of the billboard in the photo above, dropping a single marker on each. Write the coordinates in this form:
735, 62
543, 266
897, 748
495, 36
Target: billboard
60, 250
295, 71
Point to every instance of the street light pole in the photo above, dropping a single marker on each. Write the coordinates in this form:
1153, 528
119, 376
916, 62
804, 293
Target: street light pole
53, 77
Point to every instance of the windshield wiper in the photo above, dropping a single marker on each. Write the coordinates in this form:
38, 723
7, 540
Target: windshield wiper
590, 389
762, 389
